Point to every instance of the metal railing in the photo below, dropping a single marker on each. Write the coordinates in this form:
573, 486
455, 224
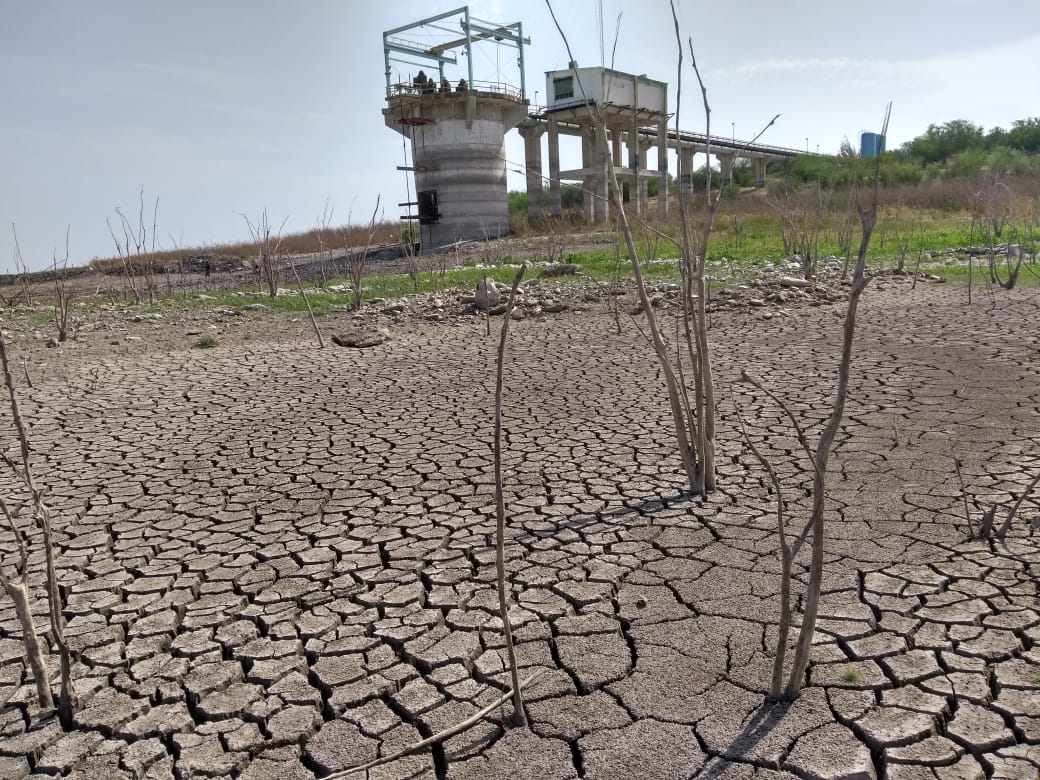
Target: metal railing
433, 89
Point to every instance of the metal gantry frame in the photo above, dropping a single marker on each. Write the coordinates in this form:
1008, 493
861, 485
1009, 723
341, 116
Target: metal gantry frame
395, 41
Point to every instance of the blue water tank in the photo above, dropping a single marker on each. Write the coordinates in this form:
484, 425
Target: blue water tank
871, 144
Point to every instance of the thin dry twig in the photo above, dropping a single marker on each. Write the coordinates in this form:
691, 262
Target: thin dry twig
356, 262
1006, 526
306, 301
786, 558
746, 377
440, 736
686, 450
964, 497
55, 603
500, 507
860, 280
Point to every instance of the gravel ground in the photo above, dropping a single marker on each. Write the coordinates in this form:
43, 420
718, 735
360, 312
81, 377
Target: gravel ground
278, 559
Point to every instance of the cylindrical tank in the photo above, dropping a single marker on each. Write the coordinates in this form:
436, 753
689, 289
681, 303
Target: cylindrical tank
871, 145
458, 152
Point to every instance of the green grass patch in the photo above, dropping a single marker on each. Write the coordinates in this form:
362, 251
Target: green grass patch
959, 272
850, 674
739, 243
206, 342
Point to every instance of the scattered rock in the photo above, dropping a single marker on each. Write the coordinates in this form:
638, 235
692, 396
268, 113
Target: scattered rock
561, 269
359, 339
487, 295
794, 281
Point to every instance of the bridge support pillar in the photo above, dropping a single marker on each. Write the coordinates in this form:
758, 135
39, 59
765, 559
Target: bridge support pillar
555, 197
588, 185
632, 141
760, 171
600, 150
636, 154
686, 170
531, 131
662, 167
726, 160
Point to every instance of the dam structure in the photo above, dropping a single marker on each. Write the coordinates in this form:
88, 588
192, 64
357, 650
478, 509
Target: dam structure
456, 124
455, 119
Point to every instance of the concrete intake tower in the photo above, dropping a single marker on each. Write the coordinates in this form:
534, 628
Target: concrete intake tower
456, 126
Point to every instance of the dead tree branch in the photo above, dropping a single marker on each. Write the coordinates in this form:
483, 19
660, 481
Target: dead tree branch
519, 716
41, 515
440, 736
1006, 526
868, 219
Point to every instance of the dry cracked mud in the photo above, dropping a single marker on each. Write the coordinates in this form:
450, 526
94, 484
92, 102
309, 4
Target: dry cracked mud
278, 560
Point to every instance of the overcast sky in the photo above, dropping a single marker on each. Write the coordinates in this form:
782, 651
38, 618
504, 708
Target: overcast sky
225, 106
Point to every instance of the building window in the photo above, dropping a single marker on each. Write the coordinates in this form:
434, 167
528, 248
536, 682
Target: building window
563, 88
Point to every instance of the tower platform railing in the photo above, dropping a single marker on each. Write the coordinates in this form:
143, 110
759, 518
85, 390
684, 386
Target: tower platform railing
433, 90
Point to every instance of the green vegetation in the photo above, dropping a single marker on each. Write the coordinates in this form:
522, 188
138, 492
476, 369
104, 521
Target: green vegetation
851, 675
741, 241
206, 342
957, 149
958, 273
952, 187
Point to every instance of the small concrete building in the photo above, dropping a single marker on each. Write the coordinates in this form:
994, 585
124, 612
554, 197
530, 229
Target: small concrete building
635, 112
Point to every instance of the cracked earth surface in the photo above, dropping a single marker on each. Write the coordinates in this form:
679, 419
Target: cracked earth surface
278, 560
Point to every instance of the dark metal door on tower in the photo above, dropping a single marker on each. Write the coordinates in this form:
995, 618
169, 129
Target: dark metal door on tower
428, 212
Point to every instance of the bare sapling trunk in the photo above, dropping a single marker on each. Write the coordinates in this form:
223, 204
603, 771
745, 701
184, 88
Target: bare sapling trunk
903, 236
18, 589
306, 302
868, 219
62, 294
917, 265
704, 382
519, 716
135, 256
149, 262
684, 418
701, 412
1006, 526
324, 251
356, 261
25, 281
267, 246
814, 529
125, 260
41, 515
786, 554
